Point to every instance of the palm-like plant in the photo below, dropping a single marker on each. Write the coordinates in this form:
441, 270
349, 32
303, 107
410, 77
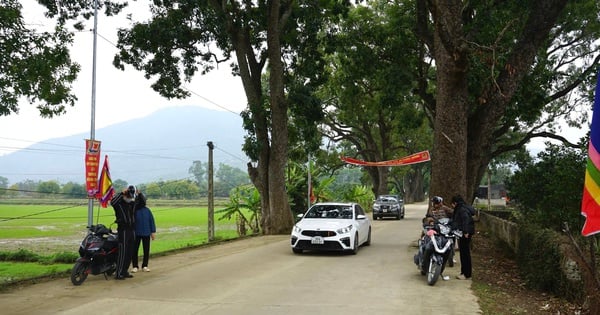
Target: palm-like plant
243, 198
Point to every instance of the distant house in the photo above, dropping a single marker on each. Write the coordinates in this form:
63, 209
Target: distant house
497, 192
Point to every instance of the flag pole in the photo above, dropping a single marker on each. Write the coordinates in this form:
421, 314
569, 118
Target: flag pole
93, 110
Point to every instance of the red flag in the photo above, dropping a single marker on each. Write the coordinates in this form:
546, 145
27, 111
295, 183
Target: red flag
106, 190
407, 160
590, 203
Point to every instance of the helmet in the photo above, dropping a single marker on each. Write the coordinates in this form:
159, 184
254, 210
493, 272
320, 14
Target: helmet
437, 199
131, 191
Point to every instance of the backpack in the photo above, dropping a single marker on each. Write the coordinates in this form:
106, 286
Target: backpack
471, 210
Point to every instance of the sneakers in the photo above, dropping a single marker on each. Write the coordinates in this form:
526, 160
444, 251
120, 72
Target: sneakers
445, 278
146, 269
462, 277
134, 270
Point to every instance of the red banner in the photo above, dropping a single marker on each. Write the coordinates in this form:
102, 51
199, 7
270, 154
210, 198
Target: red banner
92, 164
407, 160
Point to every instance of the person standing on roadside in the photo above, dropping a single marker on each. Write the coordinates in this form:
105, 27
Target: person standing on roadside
145, 229
464, 222
124, 204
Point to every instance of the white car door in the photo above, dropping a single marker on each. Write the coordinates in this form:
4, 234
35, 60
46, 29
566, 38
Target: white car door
363, 225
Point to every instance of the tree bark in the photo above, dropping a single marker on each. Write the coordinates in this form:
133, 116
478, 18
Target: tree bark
280, 215
464, 130
449, 156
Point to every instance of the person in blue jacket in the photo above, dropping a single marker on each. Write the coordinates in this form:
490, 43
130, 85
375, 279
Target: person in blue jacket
145, 229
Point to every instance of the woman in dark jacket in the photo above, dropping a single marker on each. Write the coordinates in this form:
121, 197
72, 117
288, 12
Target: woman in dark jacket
463, 221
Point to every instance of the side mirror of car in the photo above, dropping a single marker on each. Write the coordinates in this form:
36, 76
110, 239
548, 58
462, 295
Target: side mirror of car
361, 217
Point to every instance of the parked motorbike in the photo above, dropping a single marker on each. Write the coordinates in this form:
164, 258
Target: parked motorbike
435, 246
98, 254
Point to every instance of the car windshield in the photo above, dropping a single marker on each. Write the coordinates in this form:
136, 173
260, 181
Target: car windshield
387, 199
329, 212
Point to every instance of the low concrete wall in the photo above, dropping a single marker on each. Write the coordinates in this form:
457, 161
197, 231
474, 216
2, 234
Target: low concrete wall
504, 230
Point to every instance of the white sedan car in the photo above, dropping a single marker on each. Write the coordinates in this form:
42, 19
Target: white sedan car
332, 226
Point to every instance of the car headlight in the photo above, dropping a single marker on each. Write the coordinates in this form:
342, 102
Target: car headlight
376, 207
297, 229
395, 207
344, 230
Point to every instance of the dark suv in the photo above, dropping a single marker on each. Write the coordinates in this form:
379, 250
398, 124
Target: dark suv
388, 206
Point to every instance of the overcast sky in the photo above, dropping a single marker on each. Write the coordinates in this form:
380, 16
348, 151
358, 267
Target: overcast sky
120, 95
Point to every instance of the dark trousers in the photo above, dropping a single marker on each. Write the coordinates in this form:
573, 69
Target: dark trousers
145, 240
464, 247
126, 243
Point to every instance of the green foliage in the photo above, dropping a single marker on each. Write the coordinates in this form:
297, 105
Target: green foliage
3, 185
243, 198
20, 255
49, 187
361, 195
549, 190
74, 190
539, 260
227, 178
62, 258
35, 65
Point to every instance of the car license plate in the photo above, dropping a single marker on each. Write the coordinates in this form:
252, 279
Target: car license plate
317, 240
384, 210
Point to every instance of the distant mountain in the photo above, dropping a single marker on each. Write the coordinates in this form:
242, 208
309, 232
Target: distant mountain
161, 146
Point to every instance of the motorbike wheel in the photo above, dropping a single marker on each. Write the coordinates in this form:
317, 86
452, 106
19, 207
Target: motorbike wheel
79, 272
434, 272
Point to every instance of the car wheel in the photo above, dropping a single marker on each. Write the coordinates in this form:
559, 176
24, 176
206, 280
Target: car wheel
374, 218
297, 251
368, 242
355, 248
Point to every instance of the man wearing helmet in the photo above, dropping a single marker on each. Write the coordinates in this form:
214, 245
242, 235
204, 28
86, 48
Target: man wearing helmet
124, 203
438, 210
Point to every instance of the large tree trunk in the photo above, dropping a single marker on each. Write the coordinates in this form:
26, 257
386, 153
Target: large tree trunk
281, 219
268, 176
449, 156
464, 131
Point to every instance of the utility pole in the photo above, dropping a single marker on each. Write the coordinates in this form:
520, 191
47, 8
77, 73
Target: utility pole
211, 195
93, 114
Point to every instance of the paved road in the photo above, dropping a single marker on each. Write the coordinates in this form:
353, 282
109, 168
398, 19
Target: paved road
261, 275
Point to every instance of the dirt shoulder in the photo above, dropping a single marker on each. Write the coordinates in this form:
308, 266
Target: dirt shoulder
500, 289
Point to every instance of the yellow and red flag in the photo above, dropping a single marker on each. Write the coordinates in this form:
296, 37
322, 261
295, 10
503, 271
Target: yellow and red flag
106, 190
590, 203
419, 157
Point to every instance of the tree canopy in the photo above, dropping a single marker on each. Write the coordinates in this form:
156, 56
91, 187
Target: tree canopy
34, 65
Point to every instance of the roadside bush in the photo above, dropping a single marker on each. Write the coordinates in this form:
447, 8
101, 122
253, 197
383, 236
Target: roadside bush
23, 255
549, 190
540, 260
61, 258
20, 255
